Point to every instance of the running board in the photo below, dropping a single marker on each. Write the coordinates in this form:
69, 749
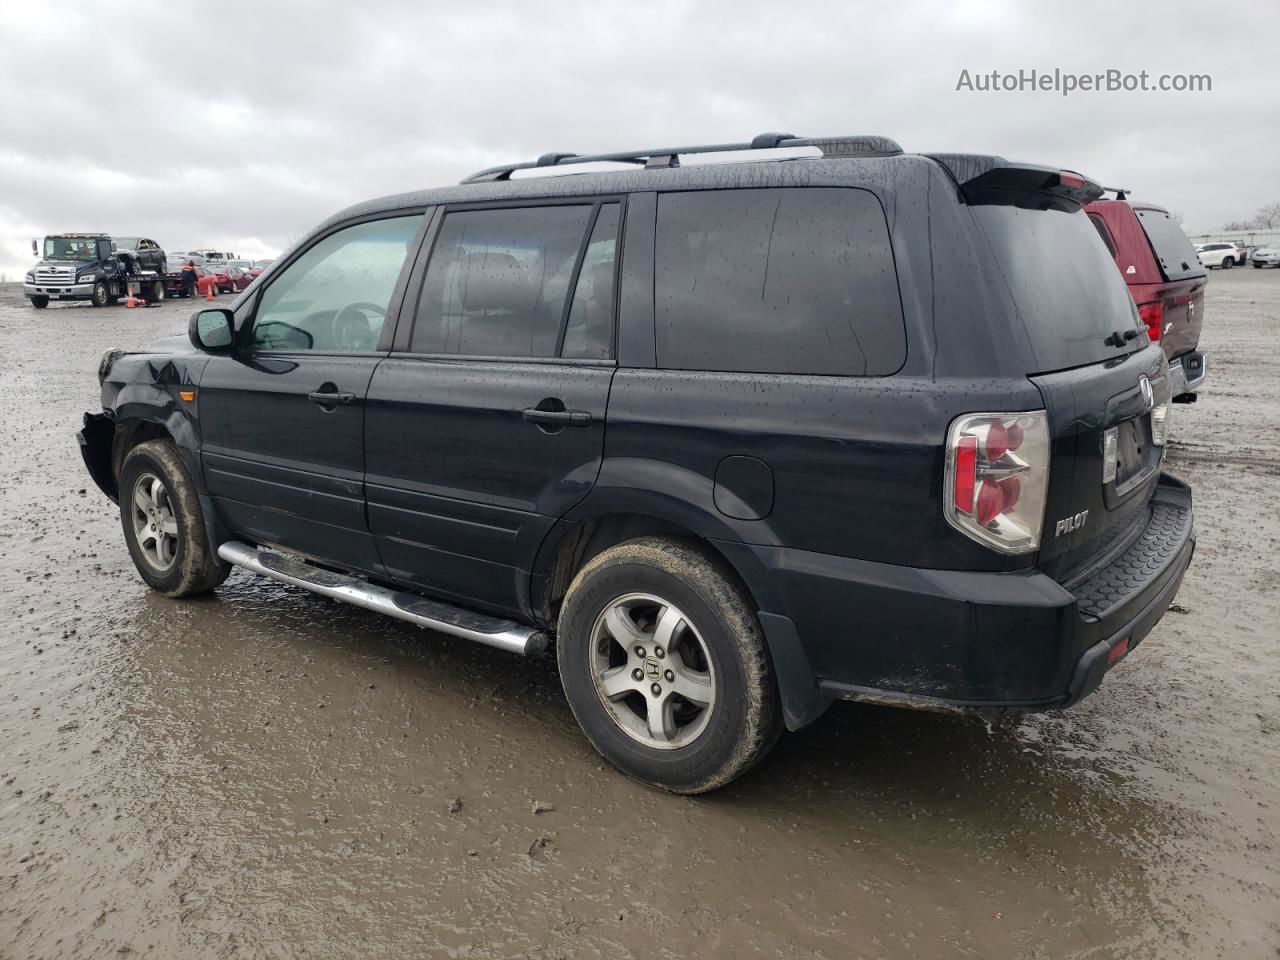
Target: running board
503, 634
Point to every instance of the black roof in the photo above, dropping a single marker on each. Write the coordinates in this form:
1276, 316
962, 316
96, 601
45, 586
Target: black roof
666, 157
841, 157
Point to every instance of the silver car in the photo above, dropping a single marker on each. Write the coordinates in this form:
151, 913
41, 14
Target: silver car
1268, 256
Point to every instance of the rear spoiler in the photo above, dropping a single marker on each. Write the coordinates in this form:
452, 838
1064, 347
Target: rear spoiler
994, 180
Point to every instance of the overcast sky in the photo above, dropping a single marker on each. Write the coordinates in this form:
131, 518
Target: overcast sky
240, 125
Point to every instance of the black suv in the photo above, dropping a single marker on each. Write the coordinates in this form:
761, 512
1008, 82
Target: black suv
742, 437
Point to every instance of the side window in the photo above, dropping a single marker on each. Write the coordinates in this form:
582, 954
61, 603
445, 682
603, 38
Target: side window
1103, 232
589, 332
795, 280
498, 280
335, 296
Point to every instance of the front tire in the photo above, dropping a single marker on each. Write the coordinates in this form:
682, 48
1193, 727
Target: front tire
101, 295
163, 525
664, 665
39, 302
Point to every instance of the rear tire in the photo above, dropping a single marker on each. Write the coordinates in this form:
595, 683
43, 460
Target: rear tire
643, 624
163, 524
157, 292
1228, 263
39, 302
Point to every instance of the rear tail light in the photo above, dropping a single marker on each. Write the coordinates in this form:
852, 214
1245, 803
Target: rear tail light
1152, 315
1110, 454
996, 478
1159, 424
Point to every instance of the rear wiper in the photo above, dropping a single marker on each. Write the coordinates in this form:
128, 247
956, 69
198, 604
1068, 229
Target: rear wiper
1120, 337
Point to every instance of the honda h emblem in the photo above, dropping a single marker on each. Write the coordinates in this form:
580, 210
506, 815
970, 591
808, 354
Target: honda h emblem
1144, 387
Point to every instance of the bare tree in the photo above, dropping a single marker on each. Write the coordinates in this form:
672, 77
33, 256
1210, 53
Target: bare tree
1238, 225
1267, 217
1176, 216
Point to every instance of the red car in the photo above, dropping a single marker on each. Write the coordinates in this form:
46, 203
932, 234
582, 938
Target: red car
229, 279
1165, 278
174, 286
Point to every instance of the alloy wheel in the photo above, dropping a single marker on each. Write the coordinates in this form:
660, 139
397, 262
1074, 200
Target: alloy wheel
652, 671
155, 526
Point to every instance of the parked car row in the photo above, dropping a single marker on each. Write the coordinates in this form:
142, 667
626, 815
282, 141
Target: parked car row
217, 275
1225, 255
726, 434
103, 269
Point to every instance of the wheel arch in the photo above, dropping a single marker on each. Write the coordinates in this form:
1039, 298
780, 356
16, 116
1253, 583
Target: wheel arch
574, 542
173, 425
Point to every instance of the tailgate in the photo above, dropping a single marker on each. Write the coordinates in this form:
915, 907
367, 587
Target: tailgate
1089, 518
1183, 315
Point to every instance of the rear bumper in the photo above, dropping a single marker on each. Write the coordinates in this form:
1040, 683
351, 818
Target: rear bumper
1187, 372
963, 641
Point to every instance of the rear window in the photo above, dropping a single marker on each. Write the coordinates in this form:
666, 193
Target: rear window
1064, 284
777, 281
1172, 248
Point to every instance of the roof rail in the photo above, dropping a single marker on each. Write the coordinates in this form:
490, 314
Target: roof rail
852, 146
1121, 193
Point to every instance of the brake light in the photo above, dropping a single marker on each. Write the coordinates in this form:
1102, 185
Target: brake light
1069, 179
997, 475
966, 466
1152, 315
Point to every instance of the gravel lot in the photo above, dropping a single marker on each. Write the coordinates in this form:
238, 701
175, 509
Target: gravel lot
264, 773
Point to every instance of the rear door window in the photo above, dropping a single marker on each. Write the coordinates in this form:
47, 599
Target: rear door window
1103, 232
797, 280
498, 281
1172, 248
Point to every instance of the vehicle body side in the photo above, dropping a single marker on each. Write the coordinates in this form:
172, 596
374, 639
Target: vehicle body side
821, 495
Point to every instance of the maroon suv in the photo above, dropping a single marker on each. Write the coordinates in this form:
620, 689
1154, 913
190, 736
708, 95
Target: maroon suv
1165, 278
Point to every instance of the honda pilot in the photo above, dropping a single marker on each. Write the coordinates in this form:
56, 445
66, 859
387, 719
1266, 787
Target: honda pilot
740, 430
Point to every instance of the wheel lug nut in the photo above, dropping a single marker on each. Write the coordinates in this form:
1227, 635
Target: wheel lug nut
639, 651
659, 652
671, 677
657, 690
637, 674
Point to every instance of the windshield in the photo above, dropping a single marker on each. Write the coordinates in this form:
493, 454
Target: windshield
1064, 284
70, 248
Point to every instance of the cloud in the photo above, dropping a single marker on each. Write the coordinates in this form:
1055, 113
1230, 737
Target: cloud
210, 125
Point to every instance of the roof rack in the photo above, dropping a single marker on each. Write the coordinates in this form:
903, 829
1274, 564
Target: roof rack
1120, 192
665, 157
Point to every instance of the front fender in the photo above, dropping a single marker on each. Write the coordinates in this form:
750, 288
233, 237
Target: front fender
96, 442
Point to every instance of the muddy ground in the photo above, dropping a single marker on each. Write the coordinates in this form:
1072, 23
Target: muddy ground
265, 773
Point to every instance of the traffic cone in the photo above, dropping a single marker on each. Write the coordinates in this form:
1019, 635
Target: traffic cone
210, 297
130, 302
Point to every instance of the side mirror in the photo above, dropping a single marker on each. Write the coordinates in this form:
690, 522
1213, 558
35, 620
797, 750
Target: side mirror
35, 248
212, 331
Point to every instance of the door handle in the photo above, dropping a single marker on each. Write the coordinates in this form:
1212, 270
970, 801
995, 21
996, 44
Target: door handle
331, 398
559, 418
